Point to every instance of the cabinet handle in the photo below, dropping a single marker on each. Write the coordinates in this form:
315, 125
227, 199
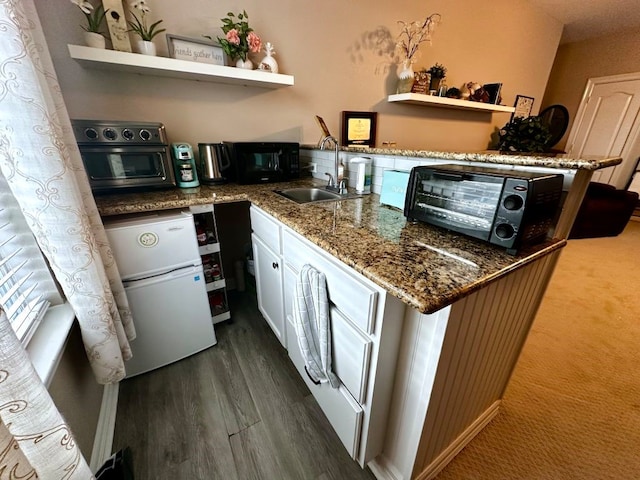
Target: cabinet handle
274, 264
315, 382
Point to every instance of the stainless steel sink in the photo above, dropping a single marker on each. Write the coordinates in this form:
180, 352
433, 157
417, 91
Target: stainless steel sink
307, 195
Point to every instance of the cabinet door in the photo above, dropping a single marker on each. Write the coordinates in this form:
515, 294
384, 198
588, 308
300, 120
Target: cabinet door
268, 269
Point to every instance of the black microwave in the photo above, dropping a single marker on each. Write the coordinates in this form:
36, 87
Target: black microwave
507, 208
264, 162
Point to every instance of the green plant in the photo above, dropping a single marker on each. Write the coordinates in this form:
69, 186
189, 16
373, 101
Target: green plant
239, 38
521, 134
437, 71
139, 25
94, 16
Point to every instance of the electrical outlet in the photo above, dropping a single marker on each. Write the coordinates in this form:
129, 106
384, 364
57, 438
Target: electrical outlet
314, 167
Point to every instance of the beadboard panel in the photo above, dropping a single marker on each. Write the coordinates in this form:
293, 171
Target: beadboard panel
484, 338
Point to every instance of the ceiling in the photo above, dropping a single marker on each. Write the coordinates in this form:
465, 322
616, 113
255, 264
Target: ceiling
585, 19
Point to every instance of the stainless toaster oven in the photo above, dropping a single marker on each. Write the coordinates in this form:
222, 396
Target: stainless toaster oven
121, 155
507, 208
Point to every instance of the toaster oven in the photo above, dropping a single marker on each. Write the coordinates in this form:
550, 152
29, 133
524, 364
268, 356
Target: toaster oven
507, 208
120, 155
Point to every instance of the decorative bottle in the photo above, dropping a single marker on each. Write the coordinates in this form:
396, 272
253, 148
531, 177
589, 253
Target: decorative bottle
269, 63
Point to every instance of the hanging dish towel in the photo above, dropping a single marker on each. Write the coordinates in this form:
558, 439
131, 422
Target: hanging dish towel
313, 327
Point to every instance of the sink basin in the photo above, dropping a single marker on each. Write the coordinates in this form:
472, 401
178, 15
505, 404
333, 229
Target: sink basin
307, 195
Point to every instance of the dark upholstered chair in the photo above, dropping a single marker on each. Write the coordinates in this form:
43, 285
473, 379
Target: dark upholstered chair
604, 212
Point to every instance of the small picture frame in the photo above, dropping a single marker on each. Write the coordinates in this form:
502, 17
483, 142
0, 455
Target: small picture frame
195, 50
523, 106
359, 129
421, 83
323, 126
493, 89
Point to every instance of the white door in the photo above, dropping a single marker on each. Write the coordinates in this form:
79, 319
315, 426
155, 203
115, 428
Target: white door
608, 124
268, 270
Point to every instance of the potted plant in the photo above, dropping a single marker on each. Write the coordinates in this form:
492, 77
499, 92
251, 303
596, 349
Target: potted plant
139, 27
530, 134
437, 72
95, 17
239, 39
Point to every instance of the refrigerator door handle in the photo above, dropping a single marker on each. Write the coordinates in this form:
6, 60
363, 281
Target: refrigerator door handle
164, 276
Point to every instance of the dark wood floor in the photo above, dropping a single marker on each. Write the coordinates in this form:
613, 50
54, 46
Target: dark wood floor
238, 410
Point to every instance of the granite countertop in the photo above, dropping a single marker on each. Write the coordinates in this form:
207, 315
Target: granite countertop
426, 267
492, 156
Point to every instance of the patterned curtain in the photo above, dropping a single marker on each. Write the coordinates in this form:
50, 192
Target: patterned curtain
40, 160
35, 442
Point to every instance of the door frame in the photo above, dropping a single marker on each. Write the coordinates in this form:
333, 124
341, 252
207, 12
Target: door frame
631, 149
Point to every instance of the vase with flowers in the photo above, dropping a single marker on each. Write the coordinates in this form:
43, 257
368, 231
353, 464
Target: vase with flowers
140, 26
412, 34
95, 17
239, 39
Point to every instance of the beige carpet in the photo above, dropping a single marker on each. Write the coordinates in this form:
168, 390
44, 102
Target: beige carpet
572, 409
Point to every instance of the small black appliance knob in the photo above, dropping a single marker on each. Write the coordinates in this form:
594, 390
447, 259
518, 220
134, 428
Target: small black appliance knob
128, 134
91, 133
513, 202
109, 134
505, 231
145, 135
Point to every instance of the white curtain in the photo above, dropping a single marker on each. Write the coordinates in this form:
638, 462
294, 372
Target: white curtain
35, 441
40, 161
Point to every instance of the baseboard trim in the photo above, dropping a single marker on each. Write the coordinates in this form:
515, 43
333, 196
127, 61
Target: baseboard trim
103, 441
381, 469
459, 443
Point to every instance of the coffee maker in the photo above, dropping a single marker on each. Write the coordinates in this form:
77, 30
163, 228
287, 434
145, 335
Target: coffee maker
184, 165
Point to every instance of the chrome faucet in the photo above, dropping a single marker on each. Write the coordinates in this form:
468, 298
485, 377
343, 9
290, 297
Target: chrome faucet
334, 184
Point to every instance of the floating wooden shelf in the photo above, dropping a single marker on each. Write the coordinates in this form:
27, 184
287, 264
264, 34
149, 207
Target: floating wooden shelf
170, 67
443, 102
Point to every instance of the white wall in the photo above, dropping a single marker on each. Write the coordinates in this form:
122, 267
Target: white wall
328, 47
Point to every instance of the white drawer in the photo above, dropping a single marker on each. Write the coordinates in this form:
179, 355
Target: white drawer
351, 350
265, 228
342, 411
354, 299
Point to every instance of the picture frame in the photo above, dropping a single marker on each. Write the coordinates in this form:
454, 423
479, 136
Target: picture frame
359, 129
323, 126
195, 50
523, 106
493, 89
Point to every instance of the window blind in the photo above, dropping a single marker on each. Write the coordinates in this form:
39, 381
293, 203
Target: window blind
27, 287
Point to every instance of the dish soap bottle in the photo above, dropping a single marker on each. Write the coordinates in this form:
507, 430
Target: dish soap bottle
269, 63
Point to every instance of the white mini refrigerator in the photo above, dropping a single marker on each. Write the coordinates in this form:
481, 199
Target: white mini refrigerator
160, 266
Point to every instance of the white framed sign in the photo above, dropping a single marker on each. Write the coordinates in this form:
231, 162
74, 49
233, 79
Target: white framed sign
194, 50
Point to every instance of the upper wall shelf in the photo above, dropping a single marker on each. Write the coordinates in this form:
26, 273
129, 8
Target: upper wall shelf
170, 67
443, 102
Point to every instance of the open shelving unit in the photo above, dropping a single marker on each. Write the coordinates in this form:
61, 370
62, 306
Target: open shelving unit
204, 215
444, 102
170, 67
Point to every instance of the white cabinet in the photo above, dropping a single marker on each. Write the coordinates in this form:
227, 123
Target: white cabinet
209, 248
268, 266
365, 332
268, 269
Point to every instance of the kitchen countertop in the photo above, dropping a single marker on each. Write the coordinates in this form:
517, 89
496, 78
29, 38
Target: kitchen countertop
491, 156
426, 267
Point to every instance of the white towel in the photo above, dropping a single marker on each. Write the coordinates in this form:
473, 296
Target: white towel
313, 326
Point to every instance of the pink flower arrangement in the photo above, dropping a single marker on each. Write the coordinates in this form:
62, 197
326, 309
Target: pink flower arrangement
239, 39
255, 43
